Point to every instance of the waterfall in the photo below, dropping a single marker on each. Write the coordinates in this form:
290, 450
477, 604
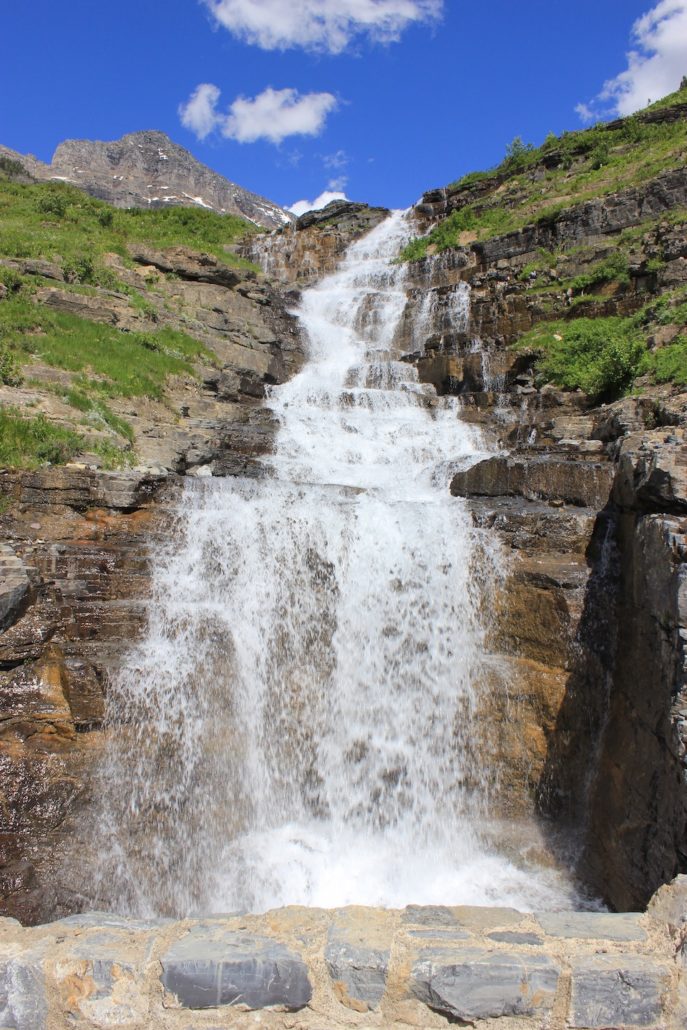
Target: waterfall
297, 726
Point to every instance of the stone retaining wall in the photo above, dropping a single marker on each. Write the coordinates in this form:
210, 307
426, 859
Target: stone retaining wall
310, 968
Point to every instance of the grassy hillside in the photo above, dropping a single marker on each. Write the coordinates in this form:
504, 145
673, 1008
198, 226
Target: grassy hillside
611, 316
86, 240
535, 183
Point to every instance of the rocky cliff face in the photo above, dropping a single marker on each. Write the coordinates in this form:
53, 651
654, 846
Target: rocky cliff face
78, 541
589, 634
310, 248
587, 721
146, 169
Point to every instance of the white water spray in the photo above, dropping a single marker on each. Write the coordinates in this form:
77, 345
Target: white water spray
297, 726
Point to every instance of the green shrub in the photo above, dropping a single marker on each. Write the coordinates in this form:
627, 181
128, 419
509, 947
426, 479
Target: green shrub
10, 370
517, 153
669, 364
12, 279
80, 269
613, 269
600, 356
111, 456
492, 221
52, 202
29, 442
11, 168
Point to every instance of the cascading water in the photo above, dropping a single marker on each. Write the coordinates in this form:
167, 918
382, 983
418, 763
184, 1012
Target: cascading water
297, 726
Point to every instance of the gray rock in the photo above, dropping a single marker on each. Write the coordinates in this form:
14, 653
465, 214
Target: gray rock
512, 937
440, 934
146, 169
475, 984
429, 915
669, 904
582, 483
616, 991
125, 491
362, 970
14, 586
212, 967
607, 926
23, 1002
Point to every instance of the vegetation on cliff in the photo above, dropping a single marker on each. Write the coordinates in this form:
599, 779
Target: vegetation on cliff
50, 220
57, 243
536, 183
606, 315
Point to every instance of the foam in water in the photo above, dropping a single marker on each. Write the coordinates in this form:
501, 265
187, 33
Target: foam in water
298, 725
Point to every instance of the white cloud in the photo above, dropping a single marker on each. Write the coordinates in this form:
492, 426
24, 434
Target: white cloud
277, 113
272, 115
655, 65
301, 206
199, 112
340, 183
339, 159
585, 112
324, 25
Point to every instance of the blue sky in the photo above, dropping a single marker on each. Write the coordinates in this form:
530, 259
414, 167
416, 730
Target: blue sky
380, 99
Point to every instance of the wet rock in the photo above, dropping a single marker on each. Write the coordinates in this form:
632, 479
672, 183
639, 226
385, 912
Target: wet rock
652, 474
100, 974
14, 586
126, 491
583, 483
214, 967
311, 248
474, 984
429, 915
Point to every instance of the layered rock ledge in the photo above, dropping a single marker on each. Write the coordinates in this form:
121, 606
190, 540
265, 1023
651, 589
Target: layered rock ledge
313, 968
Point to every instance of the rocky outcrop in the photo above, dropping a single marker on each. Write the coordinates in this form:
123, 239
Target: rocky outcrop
74, 580
146, 169
312, 247
202, 420
585, 715
419, 967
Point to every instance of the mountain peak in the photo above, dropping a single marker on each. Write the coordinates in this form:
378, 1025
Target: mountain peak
148, 169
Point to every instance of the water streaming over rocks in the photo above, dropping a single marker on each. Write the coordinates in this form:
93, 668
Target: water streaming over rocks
296, 726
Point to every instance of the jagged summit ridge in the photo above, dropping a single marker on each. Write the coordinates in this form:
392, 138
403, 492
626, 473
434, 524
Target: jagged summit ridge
147, 169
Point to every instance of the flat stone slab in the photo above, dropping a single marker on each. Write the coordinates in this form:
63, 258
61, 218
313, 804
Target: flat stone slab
359, 971
439, 933
513, 937
606, 926
23, 998
429, 915
212, 967
616, 991
473, 983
